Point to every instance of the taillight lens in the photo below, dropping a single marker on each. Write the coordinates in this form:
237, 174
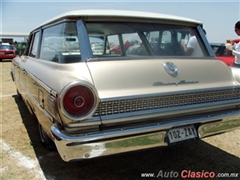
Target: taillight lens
78, 101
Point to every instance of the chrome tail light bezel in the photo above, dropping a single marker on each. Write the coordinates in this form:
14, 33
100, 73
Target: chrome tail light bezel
92, 110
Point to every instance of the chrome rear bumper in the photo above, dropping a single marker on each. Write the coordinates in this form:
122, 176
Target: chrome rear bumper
74, 147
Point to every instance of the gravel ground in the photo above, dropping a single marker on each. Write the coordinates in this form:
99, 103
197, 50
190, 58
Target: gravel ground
23, 156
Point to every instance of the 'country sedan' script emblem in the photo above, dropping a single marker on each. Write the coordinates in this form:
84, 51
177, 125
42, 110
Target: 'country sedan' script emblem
171, 68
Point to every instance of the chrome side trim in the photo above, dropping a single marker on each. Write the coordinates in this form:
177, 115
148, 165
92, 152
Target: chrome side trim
44, 86
32, 99
75, 147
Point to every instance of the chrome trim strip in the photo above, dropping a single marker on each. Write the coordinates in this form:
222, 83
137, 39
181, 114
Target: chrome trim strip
156, 104
44, 86
39, 106
73, 147
94, 121
48, 115
128, 132
153, 113
168, 93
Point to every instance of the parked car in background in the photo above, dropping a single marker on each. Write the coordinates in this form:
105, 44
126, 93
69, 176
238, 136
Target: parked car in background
6, 51
147, 95
222, 54
97, 48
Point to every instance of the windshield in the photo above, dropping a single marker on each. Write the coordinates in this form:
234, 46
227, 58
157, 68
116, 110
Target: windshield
145, 39
6, 47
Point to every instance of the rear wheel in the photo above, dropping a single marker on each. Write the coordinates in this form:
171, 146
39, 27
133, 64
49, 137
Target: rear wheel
46, 141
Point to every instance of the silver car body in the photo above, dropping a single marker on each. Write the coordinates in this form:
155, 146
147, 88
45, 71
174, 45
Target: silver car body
135, 101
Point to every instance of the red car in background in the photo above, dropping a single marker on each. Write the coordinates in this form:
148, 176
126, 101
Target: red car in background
6, 52
221, 53
117, 49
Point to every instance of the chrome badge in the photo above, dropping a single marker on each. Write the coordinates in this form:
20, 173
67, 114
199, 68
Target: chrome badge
171, 68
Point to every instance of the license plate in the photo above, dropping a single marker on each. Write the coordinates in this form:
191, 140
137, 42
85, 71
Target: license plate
182, 133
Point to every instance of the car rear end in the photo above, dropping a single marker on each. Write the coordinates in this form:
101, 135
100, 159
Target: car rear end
149, 94
7, 52
137, 110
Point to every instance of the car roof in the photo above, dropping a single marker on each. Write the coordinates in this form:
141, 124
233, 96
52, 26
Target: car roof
110, 14
5, 44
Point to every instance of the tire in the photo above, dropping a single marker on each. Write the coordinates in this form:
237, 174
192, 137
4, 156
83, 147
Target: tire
46, 141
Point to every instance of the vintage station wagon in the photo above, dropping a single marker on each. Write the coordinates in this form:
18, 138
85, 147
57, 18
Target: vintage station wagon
91, 101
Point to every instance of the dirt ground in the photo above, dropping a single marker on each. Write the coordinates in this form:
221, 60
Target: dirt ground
23, 157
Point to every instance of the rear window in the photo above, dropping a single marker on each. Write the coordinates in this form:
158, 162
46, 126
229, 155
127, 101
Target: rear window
144, 40
6, 47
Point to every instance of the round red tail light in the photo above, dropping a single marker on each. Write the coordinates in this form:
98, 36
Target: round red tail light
78, 101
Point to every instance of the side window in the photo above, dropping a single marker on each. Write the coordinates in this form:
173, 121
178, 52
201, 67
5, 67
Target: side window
60, 44
35, 43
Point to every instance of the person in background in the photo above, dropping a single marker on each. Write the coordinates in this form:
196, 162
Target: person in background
192, 48
234, 48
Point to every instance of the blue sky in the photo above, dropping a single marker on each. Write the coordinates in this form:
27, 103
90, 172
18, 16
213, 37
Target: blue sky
218, 17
